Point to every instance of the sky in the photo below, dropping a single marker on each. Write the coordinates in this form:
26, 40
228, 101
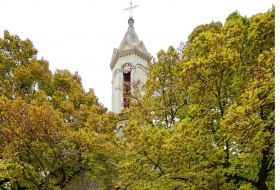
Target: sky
80, 35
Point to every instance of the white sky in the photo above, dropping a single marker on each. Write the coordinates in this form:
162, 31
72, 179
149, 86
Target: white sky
79, 35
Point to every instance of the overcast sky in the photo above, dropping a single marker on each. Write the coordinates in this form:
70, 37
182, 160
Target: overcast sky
79, 35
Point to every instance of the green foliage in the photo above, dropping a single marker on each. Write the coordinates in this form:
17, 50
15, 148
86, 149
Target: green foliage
165, 93
51, 129
206, 120
21, 73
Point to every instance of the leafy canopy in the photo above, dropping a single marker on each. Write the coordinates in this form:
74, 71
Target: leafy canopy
207, 118
51, 129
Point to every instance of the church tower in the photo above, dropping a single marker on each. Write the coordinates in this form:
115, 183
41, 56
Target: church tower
128, 65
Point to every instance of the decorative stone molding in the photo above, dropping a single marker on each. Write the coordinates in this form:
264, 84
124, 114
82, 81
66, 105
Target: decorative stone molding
127, 53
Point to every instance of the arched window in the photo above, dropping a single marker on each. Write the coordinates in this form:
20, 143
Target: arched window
126, 89
126, 69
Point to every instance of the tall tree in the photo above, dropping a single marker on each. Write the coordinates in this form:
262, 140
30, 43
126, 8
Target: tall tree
51, 129
222, 133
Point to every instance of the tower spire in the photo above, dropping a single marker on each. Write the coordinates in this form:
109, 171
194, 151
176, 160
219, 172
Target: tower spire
128, 65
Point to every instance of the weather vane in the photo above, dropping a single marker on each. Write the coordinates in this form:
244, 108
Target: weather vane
130, 8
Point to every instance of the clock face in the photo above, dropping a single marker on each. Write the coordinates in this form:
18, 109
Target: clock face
126, 68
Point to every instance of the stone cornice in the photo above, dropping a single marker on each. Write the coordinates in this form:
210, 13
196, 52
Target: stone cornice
129, 52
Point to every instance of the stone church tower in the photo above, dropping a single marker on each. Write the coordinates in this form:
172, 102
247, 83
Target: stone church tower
128, 65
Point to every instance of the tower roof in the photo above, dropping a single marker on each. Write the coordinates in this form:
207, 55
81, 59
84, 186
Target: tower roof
130, 44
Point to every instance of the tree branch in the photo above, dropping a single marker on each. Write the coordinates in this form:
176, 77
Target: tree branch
240, 178
180, 178
156, 164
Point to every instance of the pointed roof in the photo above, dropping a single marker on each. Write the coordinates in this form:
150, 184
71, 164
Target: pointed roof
130, 44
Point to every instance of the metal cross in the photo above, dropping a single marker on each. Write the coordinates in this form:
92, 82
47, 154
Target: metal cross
130, 8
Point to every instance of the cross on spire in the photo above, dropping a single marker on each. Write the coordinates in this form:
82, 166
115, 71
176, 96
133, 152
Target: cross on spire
130, 8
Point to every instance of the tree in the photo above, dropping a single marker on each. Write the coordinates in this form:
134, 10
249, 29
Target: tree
32, 139
51, 129
151, 119
214, 127
253, 131
22, 74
